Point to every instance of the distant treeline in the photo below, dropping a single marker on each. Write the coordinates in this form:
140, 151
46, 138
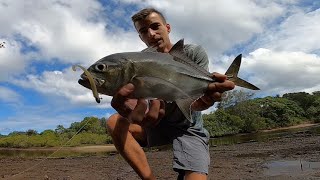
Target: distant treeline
91, 131
238, 112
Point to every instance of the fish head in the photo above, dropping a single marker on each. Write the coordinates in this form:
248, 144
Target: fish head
105, 73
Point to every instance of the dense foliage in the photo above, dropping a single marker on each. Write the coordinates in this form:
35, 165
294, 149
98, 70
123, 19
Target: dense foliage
90, 131
237, 113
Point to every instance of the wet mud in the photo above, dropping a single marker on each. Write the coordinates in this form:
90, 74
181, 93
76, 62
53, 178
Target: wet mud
252, 160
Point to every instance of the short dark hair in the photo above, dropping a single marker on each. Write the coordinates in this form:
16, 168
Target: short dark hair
142, 14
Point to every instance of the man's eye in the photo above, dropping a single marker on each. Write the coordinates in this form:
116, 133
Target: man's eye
143, 31
154, 26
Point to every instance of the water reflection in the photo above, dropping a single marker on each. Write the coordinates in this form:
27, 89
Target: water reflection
24, 153
264, 136
38, 153
292, 168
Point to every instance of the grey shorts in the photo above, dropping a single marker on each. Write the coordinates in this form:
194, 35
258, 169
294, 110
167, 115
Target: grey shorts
190, 151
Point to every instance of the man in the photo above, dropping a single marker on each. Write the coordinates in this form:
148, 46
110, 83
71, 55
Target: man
162, 123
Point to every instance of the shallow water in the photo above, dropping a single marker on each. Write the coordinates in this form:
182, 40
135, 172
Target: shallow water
36, 153
264, 136
292, 167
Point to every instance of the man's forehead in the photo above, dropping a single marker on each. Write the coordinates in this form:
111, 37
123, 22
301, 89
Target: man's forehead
151, 18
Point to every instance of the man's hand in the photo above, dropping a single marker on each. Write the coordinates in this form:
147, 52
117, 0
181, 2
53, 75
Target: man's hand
137, 111
213, 92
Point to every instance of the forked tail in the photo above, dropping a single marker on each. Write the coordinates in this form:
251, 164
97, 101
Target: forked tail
232, 74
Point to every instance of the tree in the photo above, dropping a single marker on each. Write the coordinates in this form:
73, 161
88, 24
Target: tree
316, 93
92, 125
31, 132
250, 113
232, 98
303, 99
60, 129
47, 131
313, 112
75, 126
221, 123
281, 111
16, 133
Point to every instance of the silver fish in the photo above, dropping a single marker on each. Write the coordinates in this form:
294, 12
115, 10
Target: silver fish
172, 76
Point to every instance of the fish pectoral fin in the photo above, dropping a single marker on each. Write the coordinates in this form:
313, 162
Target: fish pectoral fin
185, 107
155, 87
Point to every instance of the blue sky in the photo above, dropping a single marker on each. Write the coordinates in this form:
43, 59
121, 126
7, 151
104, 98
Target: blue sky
279, 40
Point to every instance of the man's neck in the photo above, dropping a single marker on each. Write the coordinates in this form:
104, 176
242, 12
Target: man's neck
166, 49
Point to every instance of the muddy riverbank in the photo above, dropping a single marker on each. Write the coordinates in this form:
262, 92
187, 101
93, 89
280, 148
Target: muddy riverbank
295, 156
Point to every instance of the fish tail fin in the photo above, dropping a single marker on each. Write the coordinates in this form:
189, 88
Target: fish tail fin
232, 74
242, 83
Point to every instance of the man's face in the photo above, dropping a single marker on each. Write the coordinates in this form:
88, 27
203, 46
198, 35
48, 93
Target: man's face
154, 32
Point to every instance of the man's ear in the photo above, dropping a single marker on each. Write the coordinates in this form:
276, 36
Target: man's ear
168, 28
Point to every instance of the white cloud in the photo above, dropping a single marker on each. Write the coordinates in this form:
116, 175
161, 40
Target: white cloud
11, 60
62, 84
221, 24
278, 72
71, 31
9, 96
299, 32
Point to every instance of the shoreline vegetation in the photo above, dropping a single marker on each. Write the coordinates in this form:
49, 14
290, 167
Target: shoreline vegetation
237, 113
110, 148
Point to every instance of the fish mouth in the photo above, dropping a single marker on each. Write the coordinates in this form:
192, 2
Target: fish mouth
89, 82
84, 78
98, 83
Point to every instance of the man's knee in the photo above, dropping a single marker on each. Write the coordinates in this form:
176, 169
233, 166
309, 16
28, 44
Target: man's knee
112, 121
116, 122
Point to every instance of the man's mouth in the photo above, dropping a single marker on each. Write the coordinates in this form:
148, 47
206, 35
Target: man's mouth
156, 43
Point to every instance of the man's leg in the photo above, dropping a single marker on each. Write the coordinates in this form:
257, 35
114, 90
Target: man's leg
190, 175
191, 157
125, 136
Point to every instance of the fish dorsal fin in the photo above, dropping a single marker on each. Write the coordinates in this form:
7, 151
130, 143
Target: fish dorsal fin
177, 51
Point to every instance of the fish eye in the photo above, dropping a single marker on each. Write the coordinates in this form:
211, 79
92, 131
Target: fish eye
101, 67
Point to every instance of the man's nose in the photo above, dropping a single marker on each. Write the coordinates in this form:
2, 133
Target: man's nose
151, 32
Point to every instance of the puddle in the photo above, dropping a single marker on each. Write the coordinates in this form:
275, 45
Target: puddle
292, 168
